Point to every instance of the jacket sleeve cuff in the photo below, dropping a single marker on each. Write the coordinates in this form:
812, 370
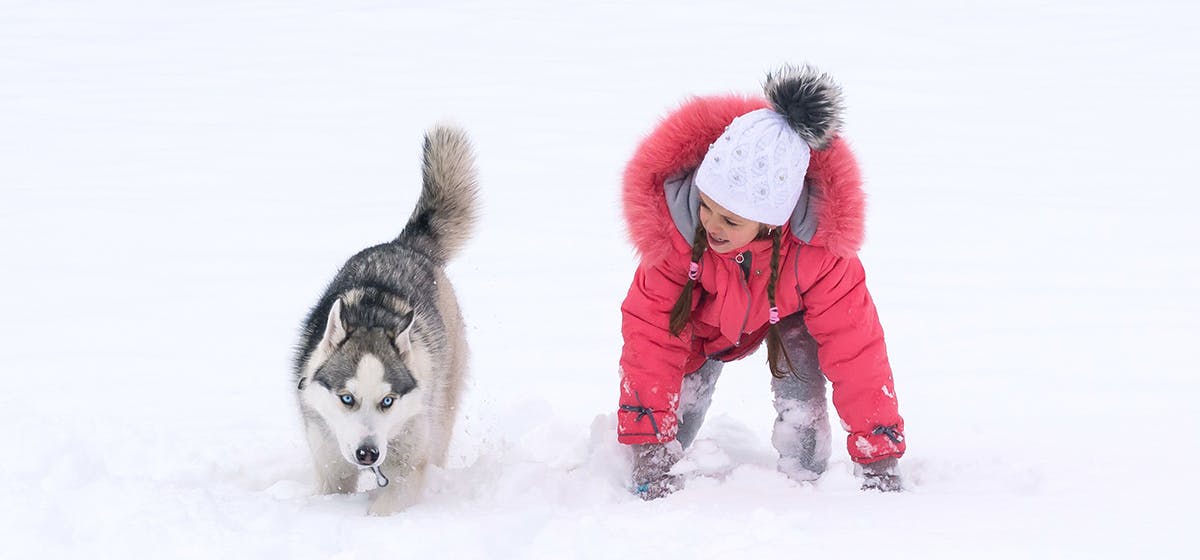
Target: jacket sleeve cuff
642, 425
881, 443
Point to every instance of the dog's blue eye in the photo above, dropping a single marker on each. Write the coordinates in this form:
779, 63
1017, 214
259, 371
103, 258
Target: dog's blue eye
387, 402
348, 400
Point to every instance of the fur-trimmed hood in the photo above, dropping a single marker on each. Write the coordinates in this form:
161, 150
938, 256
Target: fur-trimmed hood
833, 185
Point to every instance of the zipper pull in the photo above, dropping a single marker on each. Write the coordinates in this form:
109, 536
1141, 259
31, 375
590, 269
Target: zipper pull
744, 262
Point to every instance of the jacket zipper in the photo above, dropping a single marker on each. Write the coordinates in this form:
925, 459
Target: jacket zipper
749, 303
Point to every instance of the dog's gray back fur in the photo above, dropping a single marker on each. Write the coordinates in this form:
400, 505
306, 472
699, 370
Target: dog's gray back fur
396, 287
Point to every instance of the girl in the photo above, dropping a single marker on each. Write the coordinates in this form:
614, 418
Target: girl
747, 214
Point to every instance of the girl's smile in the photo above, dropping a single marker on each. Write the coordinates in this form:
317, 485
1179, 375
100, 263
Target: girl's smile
726, 231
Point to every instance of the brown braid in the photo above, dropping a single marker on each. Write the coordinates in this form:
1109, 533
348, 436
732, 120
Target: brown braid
774, 340
683, 306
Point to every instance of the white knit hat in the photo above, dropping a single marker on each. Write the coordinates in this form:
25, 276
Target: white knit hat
756, 168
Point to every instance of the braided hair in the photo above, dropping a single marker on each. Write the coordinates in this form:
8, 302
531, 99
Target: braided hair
682, 311
774, 339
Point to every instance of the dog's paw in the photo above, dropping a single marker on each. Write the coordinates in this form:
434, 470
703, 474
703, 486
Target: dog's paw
393, 499
384, 508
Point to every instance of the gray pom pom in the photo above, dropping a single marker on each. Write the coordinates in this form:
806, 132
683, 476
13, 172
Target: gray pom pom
809, 100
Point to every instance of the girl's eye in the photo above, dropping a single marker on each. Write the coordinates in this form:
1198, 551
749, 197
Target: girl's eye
386, 403
730, 222
348, 400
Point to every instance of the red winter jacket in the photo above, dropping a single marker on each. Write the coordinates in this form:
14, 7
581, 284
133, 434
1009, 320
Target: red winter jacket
820, 277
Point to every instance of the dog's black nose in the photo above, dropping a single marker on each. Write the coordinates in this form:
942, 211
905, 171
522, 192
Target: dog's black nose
366, 455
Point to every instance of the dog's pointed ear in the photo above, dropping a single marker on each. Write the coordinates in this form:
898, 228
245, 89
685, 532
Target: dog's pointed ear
335, 329
403, 337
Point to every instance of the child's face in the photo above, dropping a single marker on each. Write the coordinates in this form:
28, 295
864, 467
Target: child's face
726, 231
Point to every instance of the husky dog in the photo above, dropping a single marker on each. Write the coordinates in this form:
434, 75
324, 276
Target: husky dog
382, 355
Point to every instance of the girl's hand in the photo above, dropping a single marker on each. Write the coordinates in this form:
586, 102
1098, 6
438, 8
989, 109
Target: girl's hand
881, 476
652, 462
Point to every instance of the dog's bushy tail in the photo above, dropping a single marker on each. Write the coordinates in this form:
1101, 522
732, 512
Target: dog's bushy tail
448, 207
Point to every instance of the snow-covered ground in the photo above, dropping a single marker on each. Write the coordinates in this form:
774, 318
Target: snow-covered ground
178, 180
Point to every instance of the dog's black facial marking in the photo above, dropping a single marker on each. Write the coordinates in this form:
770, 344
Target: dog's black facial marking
322, 381
342, 365
397, 373
402, 382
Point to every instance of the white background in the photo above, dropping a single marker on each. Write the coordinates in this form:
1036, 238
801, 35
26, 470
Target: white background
178, 181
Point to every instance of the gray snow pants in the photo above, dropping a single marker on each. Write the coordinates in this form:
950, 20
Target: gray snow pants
801, 433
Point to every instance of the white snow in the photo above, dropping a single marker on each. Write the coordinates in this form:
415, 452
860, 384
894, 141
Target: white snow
179, 180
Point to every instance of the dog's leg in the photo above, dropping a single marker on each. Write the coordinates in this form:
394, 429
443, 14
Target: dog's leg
334, 474
404, 490
405, 466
